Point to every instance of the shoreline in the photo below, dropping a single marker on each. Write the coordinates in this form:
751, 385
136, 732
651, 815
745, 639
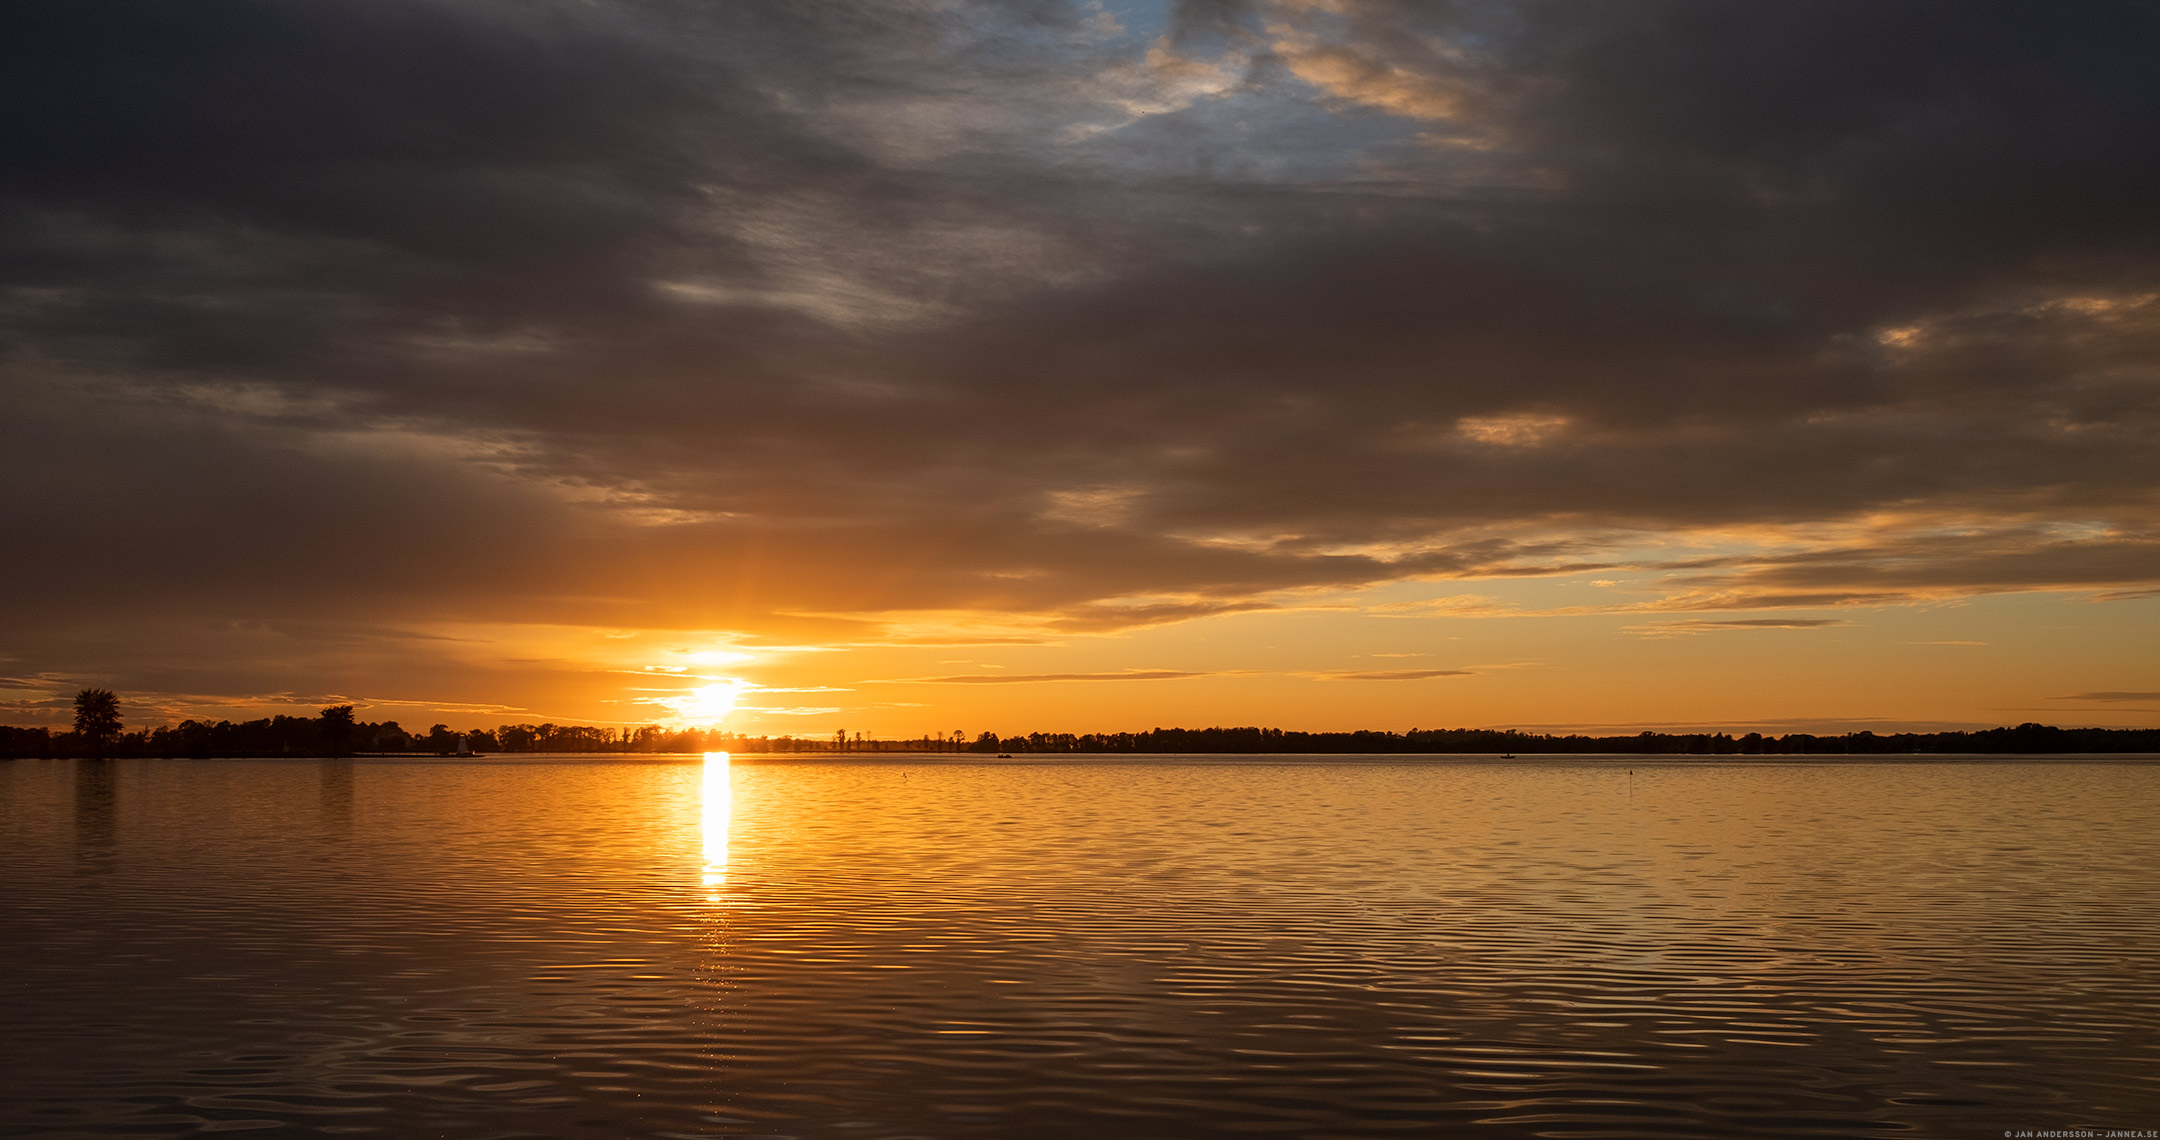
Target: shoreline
1046, 759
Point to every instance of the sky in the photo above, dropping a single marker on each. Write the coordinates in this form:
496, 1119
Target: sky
920, 366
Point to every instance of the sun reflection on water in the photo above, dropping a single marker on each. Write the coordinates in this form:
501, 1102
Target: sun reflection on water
719, 809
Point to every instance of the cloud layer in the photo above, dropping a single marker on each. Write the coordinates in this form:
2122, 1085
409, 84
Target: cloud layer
811, 319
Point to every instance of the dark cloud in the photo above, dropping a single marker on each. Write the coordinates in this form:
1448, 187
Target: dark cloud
796, 317
1919, 566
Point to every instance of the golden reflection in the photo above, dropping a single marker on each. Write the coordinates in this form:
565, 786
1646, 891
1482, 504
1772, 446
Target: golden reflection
719, 809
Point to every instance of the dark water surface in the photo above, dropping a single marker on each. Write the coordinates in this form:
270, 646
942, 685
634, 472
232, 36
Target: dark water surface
1169, 948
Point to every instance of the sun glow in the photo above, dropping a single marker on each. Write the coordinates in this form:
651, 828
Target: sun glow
707, 705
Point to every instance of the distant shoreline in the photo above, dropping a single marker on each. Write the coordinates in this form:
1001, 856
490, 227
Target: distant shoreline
1052, 759
340, 735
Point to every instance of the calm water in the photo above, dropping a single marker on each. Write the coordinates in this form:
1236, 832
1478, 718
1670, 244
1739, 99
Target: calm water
1167, 948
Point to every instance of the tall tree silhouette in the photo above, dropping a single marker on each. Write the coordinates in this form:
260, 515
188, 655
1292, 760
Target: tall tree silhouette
337, 725
97, 718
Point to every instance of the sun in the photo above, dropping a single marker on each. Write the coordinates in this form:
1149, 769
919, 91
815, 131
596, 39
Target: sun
707, 705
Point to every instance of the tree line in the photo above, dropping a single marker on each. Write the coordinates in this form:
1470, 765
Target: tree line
335, 731
2024, 738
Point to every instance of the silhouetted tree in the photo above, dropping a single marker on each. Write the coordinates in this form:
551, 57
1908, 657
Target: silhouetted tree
97, 718
337, 725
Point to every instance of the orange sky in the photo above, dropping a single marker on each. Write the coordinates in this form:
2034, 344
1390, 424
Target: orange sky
1365, 659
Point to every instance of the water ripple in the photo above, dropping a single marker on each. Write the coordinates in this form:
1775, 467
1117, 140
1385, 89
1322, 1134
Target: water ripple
1339, 949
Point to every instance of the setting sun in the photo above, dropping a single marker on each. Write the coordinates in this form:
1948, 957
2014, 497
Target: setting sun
707, 705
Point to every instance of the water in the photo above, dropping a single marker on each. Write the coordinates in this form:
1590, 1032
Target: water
1162, 948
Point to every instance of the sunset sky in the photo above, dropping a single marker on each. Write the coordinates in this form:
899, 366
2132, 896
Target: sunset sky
912, 366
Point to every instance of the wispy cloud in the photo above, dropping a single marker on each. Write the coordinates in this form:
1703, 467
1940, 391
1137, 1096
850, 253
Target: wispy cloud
1037, 678
1392, 674
1179, 674
1708, 625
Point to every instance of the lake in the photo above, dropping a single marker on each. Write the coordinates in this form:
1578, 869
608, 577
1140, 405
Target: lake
1160, 947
